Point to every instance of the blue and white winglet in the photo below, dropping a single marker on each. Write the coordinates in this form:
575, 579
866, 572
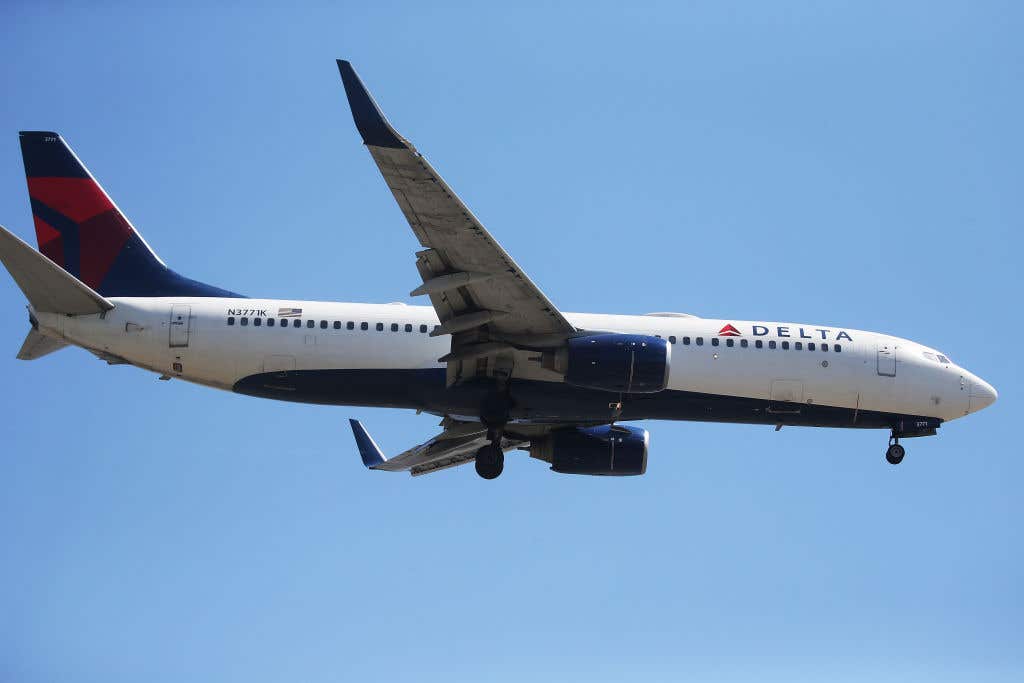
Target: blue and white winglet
368, 448
452, 447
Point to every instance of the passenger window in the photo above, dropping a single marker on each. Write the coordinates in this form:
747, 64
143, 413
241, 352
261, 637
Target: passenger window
256, 322
672, 340
296, 323
380, 327
759, 344
837, 348
231, 320
824, 347
686, 341
785, 346
364, 326
337, 324
310, 324
730, 343
744, 343
350, 325
798, 346
394, 327
408, 327
810, 346
243, 322
714, 341
423, 328
700, 341
270, 322
323, 324
771, 344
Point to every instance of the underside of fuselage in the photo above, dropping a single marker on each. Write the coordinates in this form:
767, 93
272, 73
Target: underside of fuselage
555, 403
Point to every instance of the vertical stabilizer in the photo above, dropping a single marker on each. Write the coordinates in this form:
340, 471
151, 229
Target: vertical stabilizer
79, 227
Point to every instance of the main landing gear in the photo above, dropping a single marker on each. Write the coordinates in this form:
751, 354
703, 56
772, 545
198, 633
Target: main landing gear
894, 454
490, 459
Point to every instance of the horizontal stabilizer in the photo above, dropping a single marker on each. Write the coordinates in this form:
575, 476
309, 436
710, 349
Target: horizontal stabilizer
37, 345
47, 286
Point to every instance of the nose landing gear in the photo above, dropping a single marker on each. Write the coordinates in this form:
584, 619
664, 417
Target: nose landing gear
894, 454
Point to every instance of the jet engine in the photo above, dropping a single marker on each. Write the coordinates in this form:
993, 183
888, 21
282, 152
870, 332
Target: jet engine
623, 363
608, 450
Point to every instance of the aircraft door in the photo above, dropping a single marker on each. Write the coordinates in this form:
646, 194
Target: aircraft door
886, 360
181, 325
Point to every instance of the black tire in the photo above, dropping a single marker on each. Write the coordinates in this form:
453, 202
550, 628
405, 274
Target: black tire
490, 461
895, 454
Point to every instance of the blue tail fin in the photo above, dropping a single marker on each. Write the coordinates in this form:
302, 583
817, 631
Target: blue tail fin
80, 229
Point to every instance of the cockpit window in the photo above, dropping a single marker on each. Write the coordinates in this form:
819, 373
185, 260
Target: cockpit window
936, 357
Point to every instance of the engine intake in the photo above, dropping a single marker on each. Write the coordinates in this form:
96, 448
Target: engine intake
623, 363
608, 450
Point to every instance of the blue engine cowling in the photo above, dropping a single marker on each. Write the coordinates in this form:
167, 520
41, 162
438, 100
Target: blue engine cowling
624, 363
608, 450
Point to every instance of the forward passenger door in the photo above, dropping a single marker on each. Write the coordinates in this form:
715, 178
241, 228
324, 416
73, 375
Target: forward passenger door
886, 360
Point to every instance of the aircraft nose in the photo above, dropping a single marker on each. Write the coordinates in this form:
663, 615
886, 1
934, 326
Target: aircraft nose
983, 394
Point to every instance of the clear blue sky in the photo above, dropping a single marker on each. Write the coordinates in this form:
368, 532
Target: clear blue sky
846, 163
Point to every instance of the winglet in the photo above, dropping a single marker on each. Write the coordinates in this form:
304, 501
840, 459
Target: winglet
370, 120
370, 452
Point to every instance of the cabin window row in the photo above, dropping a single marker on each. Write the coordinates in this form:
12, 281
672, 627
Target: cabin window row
324, 324
759, 344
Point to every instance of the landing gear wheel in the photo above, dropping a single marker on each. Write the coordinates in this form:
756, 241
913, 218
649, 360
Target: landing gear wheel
490, 461
894, 454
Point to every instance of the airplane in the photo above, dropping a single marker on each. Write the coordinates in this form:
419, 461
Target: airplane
491, 356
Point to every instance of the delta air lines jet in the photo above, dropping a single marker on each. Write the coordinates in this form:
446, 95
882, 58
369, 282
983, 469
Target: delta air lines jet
491, 356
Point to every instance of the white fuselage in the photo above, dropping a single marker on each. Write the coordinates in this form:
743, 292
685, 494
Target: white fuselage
191, 338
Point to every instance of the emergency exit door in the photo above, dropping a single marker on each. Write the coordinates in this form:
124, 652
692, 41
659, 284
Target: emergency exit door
886, 360
181, 324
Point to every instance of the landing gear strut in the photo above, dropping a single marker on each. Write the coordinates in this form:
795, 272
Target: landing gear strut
490, 459
894, 454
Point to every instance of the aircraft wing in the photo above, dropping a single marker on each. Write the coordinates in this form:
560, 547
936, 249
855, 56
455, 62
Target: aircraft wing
456, 445
482, 297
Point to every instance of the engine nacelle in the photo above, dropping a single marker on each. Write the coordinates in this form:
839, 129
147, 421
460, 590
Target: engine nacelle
616, 451
623, 363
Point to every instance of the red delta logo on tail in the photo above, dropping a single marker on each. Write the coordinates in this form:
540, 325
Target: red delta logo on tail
79, 228
729, 331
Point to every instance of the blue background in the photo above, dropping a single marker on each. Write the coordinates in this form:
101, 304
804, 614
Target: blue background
846, 163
